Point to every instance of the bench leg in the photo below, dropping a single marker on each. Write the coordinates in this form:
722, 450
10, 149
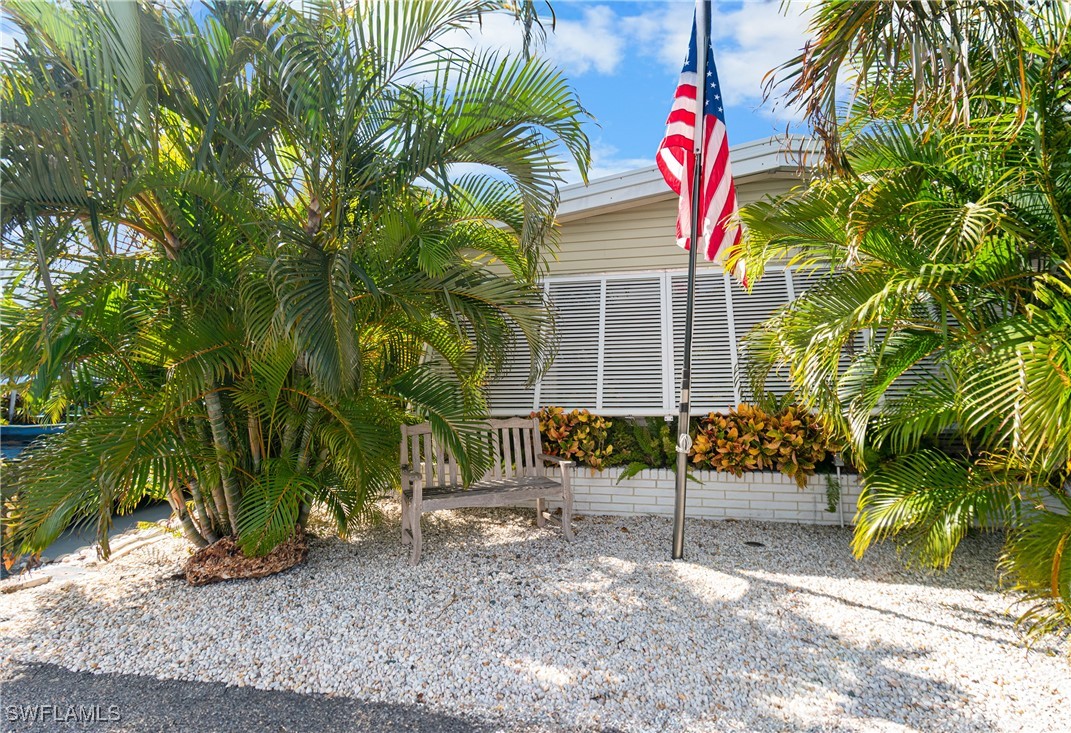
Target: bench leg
405, 521
567, 511
414, 525
541, 506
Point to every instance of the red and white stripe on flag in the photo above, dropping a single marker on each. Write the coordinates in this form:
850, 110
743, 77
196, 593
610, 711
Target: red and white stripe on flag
676, 160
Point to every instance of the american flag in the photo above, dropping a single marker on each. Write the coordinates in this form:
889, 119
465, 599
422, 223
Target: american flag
676, 160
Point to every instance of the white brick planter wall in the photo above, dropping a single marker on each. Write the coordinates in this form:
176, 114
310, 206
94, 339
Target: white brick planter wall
762, 495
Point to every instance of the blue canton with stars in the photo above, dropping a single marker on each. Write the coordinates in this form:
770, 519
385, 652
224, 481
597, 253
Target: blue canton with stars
712, 104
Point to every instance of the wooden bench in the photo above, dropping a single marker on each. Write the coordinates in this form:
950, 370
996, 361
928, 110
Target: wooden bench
431, 479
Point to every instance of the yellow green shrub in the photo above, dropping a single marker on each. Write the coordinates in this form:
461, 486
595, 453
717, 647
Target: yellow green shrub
791, 441
578, 435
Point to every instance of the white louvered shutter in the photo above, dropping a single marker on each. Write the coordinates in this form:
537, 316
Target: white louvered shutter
622, 342
572, 380
507, 394
751, 309
632, 373
712, 350
803, 280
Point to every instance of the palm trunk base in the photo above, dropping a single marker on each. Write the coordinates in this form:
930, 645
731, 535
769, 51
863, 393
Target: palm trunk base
223, 560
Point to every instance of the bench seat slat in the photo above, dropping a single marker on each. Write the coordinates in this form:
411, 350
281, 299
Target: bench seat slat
470, 498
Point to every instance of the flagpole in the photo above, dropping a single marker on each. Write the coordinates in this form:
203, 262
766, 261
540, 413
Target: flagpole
684, 439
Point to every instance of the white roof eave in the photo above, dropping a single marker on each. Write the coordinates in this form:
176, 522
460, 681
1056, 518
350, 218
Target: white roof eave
772, 157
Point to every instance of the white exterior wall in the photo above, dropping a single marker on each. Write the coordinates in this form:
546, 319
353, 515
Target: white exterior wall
761, 495
642, 236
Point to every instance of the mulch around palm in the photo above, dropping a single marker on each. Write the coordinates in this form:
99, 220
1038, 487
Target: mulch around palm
223, 560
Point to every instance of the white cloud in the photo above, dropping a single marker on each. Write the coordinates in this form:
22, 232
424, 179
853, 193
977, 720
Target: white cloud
595, 42
592, 43
662, 34
753, 40
750, 39
606, 160
495, 32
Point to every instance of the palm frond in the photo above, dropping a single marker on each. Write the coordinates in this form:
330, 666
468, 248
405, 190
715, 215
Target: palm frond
927, 501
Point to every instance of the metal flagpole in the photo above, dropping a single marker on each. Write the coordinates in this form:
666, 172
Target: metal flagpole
684, 439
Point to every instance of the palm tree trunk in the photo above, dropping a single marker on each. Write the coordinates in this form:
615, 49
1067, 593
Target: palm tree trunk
303, 456
218, 505
254, 440
222, 442
206, 520
290, 433
211, 514
290, 430
174, 498
306, 436
42, 263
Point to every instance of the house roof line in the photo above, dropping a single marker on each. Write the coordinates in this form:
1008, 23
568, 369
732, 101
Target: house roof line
777, 156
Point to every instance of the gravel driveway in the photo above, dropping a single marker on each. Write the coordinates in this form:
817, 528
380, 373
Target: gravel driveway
763, 627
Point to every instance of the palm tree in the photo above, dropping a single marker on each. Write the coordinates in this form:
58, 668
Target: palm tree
938, 340
292, 250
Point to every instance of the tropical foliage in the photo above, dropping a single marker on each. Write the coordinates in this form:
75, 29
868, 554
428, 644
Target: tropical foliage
252, 241
577, 435
641, 443
938, 345
788, 439
747, 438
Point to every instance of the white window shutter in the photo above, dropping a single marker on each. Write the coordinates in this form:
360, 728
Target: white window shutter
751, 309
572, 380
712, 351
621, 343
803, 280
508, 394
632, 345
925, 369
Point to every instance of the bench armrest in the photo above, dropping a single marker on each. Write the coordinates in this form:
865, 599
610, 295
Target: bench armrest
415, 480
563, 462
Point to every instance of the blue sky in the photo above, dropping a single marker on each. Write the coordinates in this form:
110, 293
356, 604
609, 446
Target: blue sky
624, 57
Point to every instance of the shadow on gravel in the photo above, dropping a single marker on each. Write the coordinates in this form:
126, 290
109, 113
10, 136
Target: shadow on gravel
59, 699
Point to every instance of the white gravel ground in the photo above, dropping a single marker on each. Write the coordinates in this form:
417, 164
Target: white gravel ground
509, 622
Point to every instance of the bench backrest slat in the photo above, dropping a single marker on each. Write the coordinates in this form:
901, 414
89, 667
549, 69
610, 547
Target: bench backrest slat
523, 460
507, 454
514, 443
537, 448
496, 447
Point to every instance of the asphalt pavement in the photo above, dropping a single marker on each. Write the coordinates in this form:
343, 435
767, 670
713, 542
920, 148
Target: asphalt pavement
62, 700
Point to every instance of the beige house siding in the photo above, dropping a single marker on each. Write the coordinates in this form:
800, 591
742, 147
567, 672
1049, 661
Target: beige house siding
640, 237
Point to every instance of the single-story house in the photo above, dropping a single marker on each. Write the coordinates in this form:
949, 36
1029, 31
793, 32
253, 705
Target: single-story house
618, 287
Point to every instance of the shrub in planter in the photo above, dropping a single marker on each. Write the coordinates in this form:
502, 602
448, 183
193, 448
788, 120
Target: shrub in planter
578, 435
748, 438
640, 444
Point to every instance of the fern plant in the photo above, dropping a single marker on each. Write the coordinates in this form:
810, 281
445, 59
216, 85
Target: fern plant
655, 447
